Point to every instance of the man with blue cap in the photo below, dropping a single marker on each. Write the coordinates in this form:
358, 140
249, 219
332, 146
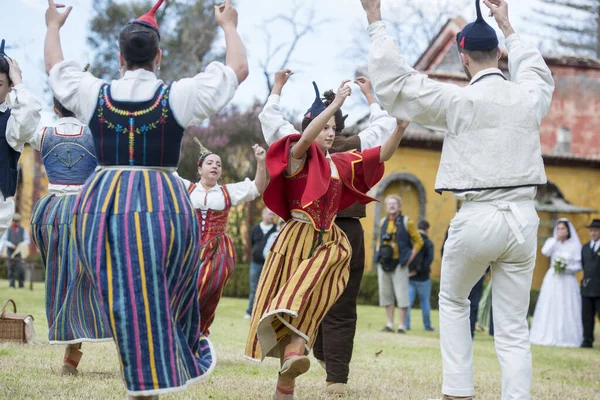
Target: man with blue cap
492, 161
20, 113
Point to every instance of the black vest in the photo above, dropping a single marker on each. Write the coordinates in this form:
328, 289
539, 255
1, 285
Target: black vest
140, 133
9, 159
15, 237
402, 238
590, 284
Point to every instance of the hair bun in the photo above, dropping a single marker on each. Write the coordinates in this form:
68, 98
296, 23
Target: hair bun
329, 96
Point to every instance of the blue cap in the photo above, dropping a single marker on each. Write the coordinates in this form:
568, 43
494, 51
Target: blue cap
478, 35
317, 107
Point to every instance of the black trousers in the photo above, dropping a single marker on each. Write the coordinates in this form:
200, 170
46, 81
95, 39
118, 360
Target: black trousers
475, 298
590, 307
335, 340
16, 271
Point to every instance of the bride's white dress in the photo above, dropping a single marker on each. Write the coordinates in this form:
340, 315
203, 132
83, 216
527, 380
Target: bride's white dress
557, 317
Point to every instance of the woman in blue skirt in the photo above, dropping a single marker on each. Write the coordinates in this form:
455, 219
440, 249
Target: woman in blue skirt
135, 227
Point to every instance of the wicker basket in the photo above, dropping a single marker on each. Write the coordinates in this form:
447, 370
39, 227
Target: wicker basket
12, 325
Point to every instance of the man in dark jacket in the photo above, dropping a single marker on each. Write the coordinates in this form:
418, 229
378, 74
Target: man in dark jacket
590, 284
15, 238
258, 237
419, 282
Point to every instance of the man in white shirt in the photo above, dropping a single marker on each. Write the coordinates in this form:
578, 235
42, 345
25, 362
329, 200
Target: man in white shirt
491, 160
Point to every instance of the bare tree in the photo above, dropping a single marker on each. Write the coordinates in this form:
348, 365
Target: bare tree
301, 21
574, 25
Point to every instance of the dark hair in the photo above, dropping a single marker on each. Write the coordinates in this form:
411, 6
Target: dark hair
138, 45
566, 226
340, 119
423, 225
478, 56
64, 113
5, 69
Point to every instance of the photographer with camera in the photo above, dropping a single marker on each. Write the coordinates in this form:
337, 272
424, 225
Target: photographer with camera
400, 243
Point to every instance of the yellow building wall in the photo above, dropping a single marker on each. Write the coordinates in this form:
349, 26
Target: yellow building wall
580, 186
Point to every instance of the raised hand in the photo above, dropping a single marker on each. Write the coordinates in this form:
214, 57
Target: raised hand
366, 88
14, 71
227, 15
54, 18
259, 153
281, 77
373, 10
499, 10
343, 93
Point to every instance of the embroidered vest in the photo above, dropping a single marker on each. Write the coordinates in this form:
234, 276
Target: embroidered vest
68, 159
9, 159
213, 222
140, 133
321, 212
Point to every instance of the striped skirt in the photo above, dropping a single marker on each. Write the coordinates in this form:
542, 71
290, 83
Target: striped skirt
218, 262
72, 308
137, 235
296, 289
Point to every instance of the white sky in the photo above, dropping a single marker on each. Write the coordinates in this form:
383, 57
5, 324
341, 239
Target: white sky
23, 25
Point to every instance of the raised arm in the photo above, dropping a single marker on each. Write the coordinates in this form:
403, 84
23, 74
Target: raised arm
260, 179
525, 62
235, 56
381, 124
316, 126
405, 93
26, 110
274, 126
54, 21
391, 144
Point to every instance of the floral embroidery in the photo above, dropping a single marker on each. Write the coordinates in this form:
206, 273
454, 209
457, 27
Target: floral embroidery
104, 101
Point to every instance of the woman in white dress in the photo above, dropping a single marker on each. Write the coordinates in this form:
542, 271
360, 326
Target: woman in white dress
557, 317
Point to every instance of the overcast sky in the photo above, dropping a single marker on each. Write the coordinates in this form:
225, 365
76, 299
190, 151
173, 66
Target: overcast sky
23, 25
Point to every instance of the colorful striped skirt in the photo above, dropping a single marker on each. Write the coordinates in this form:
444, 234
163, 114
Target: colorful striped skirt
137, 235
218, 262
298, 285
72, 308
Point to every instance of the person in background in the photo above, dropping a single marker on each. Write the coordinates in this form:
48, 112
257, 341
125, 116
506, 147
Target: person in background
419, 282
16, 241
590, 284
272, 238
400, 244
259, 235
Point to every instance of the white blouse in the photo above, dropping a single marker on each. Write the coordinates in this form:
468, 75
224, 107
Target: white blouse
213, 198
192, 100
26, 109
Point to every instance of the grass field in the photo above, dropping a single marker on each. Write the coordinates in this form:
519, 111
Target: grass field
408, 367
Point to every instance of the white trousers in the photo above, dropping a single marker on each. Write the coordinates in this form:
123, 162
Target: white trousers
502, 235
7, 210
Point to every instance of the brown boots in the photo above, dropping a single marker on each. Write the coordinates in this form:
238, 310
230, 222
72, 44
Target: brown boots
71, 360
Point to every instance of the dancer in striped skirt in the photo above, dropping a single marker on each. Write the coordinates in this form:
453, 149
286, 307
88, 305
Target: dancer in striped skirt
72, 309
136, 230
212, 203
308, 265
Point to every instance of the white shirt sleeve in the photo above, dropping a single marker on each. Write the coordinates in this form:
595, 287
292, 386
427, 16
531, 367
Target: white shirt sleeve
549, 247
242, 192
381, 126
274, 126
26, 237
185, 182
25, 116
195, 99
405, 93
76, 90
528, 69
574, 262
269, 244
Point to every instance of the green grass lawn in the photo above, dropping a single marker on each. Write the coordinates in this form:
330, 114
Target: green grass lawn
407, 367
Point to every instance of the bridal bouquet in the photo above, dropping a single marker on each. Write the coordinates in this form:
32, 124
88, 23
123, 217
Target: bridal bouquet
559, 265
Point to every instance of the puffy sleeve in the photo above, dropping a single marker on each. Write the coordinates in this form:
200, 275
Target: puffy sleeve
188, 185
76, 90
549, 247
25, 116
381, 126
404, 92
274, 126
242, 192
196, 99
528, 69
574, 260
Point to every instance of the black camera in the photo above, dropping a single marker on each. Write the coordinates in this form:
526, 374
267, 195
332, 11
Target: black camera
386, 237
